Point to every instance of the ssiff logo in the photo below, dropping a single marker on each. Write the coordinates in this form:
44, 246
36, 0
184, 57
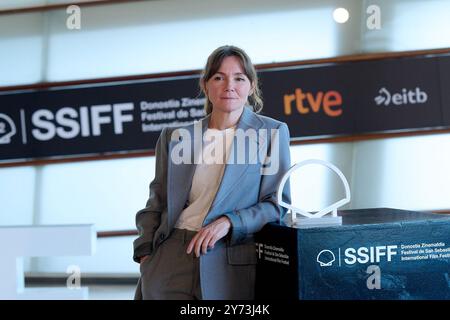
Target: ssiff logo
361, 255
7, 129
325, 258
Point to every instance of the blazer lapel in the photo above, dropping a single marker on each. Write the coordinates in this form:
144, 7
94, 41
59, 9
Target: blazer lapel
180, 175
234, 171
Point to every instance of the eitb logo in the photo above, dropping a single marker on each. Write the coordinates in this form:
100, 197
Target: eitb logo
386, 98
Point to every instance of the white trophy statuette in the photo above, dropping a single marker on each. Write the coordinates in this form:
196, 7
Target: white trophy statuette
323, 216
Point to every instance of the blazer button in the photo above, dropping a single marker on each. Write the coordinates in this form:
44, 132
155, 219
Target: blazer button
162, 236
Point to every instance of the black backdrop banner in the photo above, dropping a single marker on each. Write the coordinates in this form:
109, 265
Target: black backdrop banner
444, 68
391, 95
97, 119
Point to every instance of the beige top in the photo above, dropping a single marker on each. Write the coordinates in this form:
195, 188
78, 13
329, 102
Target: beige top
207, 177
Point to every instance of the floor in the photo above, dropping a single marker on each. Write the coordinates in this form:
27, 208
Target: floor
111, 292
95, 292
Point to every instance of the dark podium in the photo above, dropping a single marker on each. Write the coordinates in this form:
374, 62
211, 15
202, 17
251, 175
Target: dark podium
378, 253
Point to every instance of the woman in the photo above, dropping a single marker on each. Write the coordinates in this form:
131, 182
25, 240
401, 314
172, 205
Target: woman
196, 234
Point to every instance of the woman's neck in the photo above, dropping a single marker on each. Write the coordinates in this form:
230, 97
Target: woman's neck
224, 120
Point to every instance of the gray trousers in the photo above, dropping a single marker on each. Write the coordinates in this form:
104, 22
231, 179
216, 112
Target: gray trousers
170, 273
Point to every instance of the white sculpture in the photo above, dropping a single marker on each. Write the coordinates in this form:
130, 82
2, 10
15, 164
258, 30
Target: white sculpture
320, 217
17, 242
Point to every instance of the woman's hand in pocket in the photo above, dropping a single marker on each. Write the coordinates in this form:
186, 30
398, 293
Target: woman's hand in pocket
144, 258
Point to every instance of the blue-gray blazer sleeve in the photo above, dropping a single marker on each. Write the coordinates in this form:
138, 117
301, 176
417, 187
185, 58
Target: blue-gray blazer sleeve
149, 218
252, 219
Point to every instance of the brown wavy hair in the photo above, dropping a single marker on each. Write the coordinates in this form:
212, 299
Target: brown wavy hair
215, 61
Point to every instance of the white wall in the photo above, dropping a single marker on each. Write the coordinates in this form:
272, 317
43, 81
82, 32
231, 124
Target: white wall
21, 48
165, 36
17, 195
410, 173
409, 25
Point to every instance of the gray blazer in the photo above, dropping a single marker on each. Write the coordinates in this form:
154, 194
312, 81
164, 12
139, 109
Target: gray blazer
245, 195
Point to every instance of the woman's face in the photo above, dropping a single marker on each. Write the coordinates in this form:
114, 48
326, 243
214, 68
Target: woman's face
229, 87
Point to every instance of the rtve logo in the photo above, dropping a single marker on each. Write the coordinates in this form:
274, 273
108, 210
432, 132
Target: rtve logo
329, 102
406, 97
